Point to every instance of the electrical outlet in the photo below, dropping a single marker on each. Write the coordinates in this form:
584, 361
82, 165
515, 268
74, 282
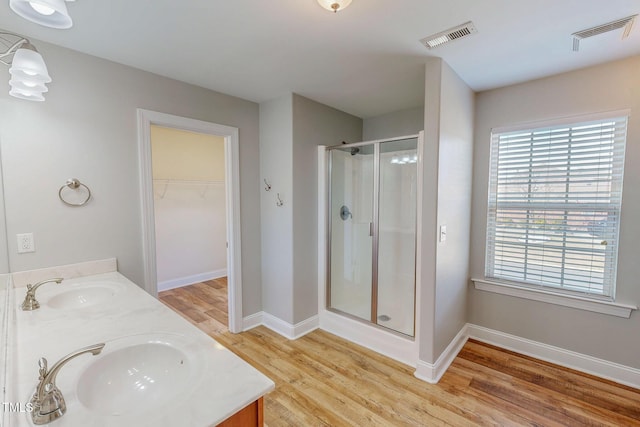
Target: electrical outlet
25, 243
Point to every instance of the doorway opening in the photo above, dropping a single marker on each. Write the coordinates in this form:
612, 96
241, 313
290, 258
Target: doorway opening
155, 280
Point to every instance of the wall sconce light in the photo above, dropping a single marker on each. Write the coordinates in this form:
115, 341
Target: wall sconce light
50, 13
28, 71
334, 5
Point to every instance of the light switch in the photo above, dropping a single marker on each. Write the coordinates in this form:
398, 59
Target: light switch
443, 233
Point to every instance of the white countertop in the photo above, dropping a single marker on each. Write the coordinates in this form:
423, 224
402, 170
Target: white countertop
224, 384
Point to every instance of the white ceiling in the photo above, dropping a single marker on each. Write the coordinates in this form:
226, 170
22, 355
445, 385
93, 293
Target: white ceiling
365, 60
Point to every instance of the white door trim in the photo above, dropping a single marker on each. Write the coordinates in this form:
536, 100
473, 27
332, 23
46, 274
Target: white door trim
232, 183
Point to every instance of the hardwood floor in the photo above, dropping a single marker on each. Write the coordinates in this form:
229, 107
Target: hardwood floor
323, 380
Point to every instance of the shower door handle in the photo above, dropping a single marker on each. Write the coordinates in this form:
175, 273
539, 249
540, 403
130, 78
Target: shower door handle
370, 229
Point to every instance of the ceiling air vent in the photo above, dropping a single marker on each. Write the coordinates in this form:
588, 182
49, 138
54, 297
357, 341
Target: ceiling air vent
626, 23
449, 35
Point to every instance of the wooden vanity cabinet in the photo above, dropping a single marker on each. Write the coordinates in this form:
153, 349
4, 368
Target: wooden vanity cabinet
250, 416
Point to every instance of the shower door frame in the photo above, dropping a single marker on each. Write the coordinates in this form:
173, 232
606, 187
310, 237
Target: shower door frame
373, 321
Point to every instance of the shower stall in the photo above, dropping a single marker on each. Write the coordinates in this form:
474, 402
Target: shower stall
372, 195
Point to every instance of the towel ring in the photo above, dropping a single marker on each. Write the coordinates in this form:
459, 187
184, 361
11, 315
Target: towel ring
74, 184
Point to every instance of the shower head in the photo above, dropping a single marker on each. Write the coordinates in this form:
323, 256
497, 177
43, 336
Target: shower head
354, 150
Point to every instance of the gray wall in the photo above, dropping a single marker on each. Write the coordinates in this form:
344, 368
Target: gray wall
427, 257
291, 128
607, 87
276, 158
454, 207
87, 129
448, 153
314, 124
4, 254
398, 123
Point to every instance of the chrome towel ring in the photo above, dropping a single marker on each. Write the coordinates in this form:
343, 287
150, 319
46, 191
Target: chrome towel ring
74, 184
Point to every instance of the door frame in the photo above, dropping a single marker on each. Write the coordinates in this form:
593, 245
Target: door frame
146, 118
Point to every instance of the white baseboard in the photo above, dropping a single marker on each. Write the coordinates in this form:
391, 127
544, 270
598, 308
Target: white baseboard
279, 326
190, 280
252, 321
432, 372
570, 359
288, 330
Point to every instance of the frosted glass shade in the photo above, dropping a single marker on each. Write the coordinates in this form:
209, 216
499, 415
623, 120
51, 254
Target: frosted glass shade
334, 5
50, 13
28, 65
28, 86
28, 95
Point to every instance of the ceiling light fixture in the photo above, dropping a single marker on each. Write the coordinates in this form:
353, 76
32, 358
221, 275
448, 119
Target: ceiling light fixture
334, 5
50, 13
28, 71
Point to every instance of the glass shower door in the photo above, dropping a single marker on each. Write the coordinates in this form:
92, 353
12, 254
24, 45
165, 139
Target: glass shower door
396, 232
372, 232
350, 225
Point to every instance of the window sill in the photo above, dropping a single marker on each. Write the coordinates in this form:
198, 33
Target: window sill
604, 307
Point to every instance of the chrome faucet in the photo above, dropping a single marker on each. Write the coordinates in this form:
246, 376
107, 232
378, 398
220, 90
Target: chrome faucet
30, 302
47, 402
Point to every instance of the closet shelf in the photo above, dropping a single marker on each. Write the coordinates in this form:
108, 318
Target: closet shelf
167, 182
187, 182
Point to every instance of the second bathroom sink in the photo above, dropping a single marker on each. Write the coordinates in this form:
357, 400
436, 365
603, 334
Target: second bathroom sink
80, 295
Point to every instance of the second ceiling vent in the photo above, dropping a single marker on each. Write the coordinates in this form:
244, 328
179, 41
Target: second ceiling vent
449, 35
625, 23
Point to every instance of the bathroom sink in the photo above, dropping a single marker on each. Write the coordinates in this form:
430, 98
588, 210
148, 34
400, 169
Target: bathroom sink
81, 295
139, 374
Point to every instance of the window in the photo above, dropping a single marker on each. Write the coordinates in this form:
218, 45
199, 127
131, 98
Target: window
555, 194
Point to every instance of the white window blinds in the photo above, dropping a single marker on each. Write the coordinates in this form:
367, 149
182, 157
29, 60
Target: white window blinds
555, 195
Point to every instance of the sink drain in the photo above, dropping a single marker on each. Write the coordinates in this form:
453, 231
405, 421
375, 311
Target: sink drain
384, 318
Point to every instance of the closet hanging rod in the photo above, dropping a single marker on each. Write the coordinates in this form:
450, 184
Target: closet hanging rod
187, 182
